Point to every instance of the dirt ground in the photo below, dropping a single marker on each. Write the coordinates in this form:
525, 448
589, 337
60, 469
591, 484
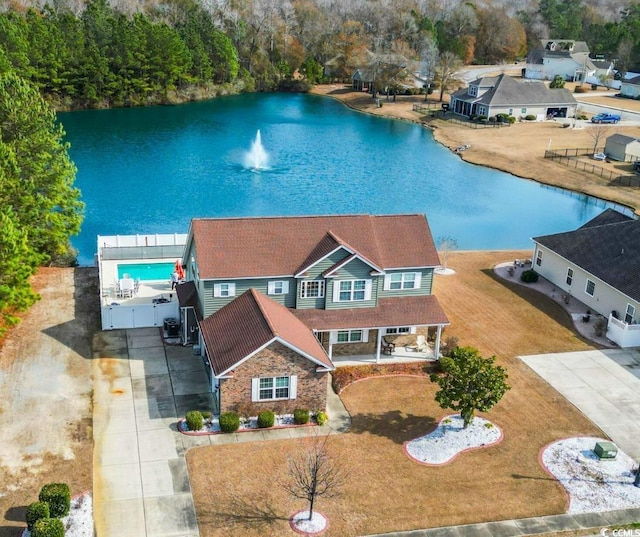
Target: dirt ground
518, 149
45, 393
386, 491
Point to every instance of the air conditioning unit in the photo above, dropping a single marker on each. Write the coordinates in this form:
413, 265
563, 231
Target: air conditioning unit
606, 450
196, 350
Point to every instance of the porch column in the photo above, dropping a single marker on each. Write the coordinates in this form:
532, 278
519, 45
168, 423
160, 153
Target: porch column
437, 346
379, 342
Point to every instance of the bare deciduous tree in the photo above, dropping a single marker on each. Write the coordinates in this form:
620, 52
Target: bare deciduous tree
445, 246
314, 473
447, 70
597, 133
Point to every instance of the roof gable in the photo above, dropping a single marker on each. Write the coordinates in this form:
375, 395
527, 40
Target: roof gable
621, 139
285, 246
251, 322
608, 247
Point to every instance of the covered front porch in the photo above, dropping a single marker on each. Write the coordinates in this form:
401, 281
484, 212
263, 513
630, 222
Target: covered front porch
400, 355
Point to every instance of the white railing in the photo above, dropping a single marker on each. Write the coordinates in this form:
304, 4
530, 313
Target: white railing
623, 334
157, 239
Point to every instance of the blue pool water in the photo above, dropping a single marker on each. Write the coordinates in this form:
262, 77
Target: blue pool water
146, 272
150, 170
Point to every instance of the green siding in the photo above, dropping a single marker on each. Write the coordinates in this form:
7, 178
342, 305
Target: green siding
426, 284
315, 273
213, 304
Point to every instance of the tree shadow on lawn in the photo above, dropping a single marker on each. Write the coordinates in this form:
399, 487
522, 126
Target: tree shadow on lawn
250, 511
393, 425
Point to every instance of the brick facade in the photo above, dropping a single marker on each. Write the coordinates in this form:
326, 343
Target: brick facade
276, 360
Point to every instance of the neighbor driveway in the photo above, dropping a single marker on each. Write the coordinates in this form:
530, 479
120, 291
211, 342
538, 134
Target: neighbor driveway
603, 384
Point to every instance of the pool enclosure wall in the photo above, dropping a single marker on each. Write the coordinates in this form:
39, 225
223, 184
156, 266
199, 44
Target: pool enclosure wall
154, 301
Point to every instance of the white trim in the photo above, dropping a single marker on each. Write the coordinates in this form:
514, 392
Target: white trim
293, 386
255, 389
417, 281
364, 335
586, 286
322, 289
352, 291
632, 313
309, 267
271, 287
348, 260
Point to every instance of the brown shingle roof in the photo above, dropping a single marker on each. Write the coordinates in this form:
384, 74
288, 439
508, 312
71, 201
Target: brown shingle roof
281, 246
249, 323
396, 311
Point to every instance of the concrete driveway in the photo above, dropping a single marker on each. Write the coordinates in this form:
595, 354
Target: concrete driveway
603, 384
141, 387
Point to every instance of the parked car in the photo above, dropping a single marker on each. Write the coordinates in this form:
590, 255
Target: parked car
600, 156
636, 166
605, 118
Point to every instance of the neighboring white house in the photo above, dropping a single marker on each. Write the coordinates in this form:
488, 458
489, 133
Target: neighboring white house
599, 264
631, 87
622, 148
502, 94
564, 57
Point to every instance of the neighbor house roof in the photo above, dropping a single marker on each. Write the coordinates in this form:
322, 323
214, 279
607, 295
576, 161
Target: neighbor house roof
608, 247
506, 91
250, 323
409, 310
634, 81
283, 246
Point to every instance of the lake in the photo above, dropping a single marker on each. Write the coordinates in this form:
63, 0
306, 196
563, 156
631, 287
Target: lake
150, 170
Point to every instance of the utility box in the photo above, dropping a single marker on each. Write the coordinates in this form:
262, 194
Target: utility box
606, 450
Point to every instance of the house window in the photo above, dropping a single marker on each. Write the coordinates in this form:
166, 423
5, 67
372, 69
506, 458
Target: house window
273, 388
278, 288
569, 276
404, 280
510, 111
349, 336
312, 289
590, 288
352, 290
523, 110
628, 316
399, 330
539, 258
222, 290
473, 90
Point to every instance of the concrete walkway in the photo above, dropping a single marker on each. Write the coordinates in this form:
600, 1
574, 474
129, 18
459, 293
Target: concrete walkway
141, 388
603, 384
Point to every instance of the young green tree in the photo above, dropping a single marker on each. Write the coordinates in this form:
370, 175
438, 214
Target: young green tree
468, 382
557, 82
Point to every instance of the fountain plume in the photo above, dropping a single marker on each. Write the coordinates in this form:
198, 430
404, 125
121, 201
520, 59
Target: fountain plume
257, 158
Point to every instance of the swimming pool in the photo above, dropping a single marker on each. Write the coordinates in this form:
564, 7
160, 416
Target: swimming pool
147, 271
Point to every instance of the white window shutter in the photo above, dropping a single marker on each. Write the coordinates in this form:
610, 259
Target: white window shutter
418, 280
387, 282
336, 291
293, 386
216, 289
255, 389
271, 288
333, 336
285, 287
365, 336
412, 330
232, 289
367, 289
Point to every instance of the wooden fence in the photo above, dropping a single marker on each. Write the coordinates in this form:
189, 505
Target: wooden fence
568, 157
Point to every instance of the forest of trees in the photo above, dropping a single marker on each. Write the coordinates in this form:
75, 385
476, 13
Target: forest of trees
94, 53
70, 54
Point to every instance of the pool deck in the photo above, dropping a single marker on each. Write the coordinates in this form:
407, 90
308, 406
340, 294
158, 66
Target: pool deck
148, 290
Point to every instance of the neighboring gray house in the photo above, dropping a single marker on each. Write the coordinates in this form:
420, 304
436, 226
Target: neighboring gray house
599, 264
622, 148
502, 94
564, 57
631, 88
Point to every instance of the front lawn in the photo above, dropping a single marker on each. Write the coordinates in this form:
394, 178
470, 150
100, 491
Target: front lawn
236, 489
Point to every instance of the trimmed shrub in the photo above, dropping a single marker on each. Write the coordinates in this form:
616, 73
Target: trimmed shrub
58, 496
530, 117
266, 419
35, 512
48, 527
321, 417
194, 420
580, 89
206, 415
529, 276
301, 416
229, 422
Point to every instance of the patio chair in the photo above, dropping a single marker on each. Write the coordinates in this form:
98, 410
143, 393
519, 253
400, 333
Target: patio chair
388, 346
421, 343
126, 287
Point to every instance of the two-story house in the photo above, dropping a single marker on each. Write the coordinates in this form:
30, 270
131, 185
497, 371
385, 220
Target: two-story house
275, 298
560, 57
502, 94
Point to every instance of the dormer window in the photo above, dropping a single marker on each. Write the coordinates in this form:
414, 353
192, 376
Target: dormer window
473, 91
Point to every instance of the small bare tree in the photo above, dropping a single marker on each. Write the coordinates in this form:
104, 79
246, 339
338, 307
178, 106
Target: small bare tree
314, 473
597, 133
445, 246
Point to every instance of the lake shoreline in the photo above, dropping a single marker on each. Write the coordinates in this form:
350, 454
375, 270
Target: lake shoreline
491, 148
